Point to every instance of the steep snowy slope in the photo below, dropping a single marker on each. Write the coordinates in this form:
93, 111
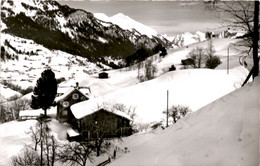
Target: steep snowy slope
223, 133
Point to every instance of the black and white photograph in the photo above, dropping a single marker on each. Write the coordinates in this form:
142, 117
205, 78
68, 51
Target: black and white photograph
129, 83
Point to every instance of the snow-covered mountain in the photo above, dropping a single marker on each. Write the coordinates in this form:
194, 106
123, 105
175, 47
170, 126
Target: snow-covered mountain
188, 38
127, 23
70, 30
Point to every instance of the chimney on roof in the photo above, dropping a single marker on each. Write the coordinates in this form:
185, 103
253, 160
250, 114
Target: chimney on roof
77, 85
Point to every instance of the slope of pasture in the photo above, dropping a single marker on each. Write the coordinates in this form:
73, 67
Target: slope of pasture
223, 133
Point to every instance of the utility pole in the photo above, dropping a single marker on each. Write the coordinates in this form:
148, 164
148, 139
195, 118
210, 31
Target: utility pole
167, 112
255, 40
228, 60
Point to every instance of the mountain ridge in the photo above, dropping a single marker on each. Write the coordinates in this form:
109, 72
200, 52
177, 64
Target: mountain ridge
72, 30
127, 23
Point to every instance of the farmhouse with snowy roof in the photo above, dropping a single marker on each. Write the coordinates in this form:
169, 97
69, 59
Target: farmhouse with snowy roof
92, 121
30, 114
65, 101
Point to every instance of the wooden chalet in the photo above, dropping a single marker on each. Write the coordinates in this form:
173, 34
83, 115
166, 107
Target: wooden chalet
101, 123
65, 101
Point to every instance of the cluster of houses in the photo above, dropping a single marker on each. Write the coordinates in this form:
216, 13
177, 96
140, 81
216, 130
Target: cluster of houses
85, 122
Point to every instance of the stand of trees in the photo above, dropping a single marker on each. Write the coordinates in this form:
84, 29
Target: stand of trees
143, 53
177, 112
149, 71
43, 139
201, 57
10, 109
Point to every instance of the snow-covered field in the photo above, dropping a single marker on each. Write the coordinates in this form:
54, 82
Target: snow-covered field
191, 87
222, 133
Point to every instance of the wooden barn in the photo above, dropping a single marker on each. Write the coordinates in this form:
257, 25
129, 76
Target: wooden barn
65, 101
101, 123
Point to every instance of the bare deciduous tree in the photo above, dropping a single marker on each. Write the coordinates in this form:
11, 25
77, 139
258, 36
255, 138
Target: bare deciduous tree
149, 71
49, 146
199, 56
41, 136
26, 157
123, 108
212, 61
35, 135
178, 112
19, 105
76, 153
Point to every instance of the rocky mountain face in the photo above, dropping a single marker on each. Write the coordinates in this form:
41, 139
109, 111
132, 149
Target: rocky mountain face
78, 32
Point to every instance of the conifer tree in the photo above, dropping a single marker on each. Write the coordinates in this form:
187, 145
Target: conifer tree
45, 91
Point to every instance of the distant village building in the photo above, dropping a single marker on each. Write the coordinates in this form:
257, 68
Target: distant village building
103, 75
72, 96
30, 114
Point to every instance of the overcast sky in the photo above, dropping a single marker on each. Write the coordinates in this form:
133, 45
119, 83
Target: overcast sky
166, 17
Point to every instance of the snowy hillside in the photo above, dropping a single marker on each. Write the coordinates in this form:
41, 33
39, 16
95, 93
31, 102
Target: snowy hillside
223, 128
127, 23
7, 93
192, 87
30, 59
225, 132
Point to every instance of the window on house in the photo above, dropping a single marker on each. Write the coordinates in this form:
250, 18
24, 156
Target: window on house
78, 124
83, 98
75, 96
65, 104
64, 113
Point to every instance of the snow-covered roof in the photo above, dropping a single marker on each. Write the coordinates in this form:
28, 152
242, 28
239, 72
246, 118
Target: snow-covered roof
86, 108
72, 133
37, 112
66, 94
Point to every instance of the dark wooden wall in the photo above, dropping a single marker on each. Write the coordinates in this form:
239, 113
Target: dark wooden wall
104, 124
